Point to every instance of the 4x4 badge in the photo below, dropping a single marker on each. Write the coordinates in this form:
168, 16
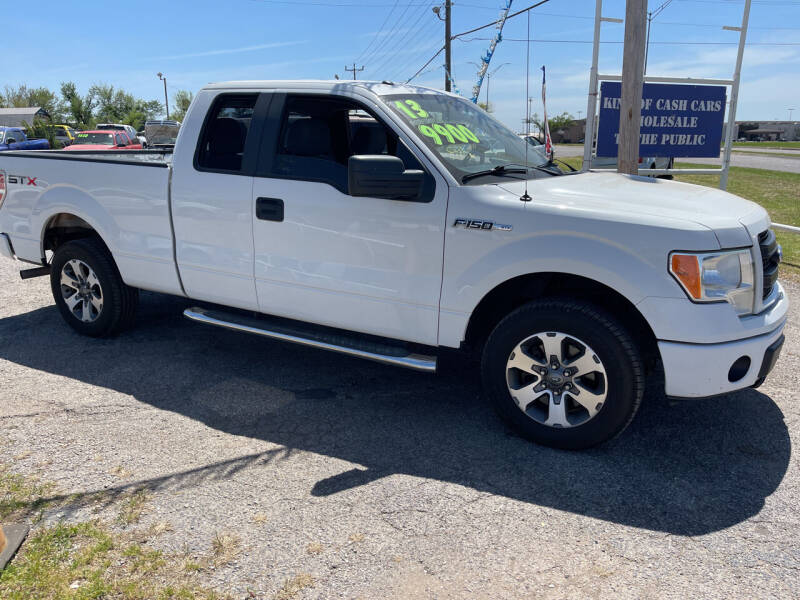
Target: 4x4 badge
481, 224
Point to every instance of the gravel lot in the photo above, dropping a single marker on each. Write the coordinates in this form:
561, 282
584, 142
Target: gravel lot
384, 483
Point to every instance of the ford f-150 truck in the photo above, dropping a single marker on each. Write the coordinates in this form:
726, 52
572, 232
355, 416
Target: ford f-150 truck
14, 138
392, 223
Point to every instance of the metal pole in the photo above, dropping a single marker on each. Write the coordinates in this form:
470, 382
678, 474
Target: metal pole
726, 157
166, 98
591, 106
447, 41
488, 79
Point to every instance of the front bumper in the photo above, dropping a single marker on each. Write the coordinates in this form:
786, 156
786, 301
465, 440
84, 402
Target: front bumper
6, 249
700, 370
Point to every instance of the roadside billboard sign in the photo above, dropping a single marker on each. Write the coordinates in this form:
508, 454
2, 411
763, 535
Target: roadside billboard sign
677, 120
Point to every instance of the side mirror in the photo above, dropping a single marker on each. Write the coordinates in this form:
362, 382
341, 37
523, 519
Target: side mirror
10, 141
381, 176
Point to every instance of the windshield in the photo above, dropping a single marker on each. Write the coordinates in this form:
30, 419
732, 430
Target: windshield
104, 139
465, 137
2, 137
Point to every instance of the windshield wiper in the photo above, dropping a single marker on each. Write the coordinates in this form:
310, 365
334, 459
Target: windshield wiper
498, 170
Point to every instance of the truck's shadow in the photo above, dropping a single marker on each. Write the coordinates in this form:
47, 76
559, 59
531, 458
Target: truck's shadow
687, 468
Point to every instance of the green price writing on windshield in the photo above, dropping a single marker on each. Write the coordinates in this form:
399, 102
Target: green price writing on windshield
411, 108
83, 135
450, 132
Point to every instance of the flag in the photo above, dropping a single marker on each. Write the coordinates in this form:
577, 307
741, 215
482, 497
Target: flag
548, 142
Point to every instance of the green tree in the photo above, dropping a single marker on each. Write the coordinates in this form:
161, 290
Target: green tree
182, 100
22, 97
561, 121
79, 110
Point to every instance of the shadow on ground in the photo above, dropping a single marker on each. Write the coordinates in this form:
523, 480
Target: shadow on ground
686, 468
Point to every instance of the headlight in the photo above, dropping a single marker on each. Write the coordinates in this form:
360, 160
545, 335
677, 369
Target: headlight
716, 277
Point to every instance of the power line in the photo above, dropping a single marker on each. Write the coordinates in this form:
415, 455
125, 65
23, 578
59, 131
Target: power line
493, 23
422, 68
400, 39
424, 33
387, 37
681, 43
380, 31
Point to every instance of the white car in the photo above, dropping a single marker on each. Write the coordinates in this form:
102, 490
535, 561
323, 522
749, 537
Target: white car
392, 222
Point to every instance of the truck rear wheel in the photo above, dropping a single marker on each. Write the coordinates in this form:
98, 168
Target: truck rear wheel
563, 373
89, 290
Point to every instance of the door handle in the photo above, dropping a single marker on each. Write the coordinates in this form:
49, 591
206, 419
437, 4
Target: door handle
269, 209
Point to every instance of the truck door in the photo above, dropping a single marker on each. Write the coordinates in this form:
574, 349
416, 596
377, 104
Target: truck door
212, 190
323, 256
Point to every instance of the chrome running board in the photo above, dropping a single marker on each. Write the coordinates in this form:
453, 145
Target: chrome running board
335, 342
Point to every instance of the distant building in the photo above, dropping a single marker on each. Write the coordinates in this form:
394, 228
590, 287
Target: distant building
16, 117
573, 134
767, 130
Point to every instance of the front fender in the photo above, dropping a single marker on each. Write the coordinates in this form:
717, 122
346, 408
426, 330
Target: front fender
476, 262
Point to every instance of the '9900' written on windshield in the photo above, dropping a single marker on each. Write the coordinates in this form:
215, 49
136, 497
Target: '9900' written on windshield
453, 133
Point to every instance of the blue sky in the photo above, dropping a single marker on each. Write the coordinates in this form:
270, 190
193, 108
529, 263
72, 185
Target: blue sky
200, 41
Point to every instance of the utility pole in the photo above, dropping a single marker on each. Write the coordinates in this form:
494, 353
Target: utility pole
166, 99
791, 110
650, 16
632, 82
448, 67
354, 70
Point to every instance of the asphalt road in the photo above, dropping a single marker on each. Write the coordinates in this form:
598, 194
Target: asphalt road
406, 485
746, 158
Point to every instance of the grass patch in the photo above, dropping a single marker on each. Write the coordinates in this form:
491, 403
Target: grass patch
20, 495
86, 560
778, 192
778, 154
293, 586
770, 145
132, 508
89, 560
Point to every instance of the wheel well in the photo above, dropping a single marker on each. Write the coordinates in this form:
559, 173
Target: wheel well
65, 227
515, 292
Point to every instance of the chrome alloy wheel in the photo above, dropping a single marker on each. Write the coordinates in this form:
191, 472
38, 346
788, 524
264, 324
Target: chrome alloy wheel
556, 379
81, 290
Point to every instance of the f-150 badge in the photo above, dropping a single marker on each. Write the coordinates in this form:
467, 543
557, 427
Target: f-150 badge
481, 224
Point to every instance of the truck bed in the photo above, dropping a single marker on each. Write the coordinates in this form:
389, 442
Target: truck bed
124, 196
136, 157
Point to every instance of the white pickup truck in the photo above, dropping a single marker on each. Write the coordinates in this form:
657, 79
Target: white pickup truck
393, 222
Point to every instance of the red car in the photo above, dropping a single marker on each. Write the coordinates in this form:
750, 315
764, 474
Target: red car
103, 140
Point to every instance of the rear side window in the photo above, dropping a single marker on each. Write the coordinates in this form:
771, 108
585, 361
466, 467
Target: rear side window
225, 132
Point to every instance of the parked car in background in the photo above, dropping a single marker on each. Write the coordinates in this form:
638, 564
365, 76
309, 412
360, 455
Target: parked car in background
161, 133
14, 138
129, 129
64, 134
103, 140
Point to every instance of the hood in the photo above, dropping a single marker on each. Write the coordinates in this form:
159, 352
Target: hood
734, 220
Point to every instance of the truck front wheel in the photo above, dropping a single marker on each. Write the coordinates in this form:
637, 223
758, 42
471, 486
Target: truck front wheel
89, 290
563, 373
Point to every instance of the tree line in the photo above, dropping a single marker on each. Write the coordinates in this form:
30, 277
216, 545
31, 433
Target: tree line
102, 103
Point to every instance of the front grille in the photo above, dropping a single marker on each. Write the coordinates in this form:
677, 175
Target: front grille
770, 259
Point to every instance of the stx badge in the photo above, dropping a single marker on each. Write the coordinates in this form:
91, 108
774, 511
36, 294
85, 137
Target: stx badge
481, 224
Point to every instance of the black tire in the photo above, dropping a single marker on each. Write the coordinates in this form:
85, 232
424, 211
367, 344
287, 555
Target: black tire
119, 300
625, 381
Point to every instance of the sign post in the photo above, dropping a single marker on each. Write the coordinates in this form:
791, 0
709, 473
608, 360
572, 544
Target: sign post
594, 83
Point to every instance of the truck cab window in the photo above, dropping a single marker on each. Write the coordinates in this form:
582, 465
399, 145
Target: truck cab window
320, 133
225, 133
